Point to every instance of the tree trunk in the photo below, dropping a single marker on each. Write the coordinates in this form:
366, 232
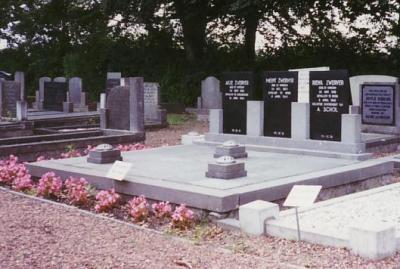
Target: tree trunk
251, 25
193, 17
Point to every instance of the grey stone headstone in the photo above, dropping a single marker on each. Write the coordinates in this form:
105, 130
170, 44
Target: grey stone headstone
10, 94
211, 97
75, 90
55, 94
125, 107
113, 80
42, 80
60, 79
20, 77
151, 100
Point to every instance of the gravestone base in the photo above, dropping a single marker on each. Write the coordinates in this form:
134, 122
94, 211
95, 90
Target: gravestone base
100, 157
202, 114
236, 152
80, 108
226, 171
68, 107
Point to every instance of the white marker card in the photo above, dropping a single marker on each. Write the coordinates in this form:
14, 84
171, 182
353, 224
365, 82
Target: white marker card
302, 195
119, 170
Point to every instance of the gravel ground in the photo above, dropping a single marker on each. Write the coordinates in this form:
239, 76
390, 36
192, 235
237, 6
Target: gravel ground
34, 234
172, 134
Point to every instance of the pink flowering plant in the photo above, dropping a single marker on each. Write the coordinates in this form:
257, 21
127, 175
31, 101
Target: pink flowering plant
14, 173
49, 185
77, 191
23, 183
106, 200
182, 218
162, 210
138, 208
131, 147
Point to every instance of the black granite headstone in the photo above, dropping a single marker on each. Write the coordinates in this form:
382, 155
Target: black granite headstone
330, 97
118, 107
11, 93
55, 94
237, 89
279, 91
378, 103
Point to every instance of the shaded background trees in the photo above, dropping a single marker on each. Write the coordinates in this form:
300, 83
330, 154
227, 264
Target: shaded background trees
179, 42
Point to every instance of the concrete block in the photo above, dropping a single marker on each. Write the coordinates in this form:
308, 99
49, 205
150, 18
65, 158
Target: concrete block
102, 100
190, 137
373, 240
103, 118
22, 110
236, 152
252, 216
351, 128
300, 121
216, 120
68, 107
255, 118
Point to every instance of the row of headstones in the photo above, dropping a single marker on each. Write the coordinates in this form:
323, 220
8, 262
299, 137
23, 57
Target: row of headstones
329, 98
60, 94
151, 92
12, 97
211, 97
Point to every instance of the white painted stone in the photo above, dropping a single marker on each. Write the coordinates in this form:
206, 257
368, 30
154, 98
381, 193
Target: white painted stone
216, 119
255, 118
304, 81
252, 216
102, 101
374, 240
300, 121
22, 110
351, 128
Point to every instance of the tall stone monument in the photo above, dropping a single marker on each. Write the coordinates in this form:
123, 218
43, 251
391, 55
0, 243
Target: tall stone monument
125, 107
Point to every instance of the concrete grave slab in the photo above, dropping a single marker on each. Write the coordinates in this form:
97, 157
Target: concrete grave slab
179, 175
367, 222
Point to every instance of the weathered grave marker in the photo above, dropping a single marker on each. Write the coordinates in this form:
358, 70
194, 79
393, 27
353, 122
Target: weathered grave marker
378, 103
10, 94
237, 90
279, 91
329, 98
151, 101
55, 94
125, 108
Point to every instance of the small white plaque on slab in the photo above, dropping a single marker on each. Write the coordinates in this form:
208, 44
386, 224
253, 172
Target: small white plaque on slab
119, 170
302, 195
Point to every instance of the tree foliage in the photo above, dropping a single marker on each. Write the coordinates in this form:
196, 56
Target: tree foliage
179, 42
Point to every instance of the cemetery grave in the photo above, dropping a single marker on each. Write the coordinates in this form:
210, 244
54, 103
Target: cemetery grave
319, 143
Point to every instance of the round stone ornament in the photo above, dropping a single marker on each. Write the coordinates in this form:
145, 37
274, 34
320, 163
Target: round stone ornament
230, 143
225, 160
104, 147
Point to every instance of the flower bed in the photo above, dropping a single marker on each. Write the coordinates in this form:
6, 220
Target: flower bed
77, 192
